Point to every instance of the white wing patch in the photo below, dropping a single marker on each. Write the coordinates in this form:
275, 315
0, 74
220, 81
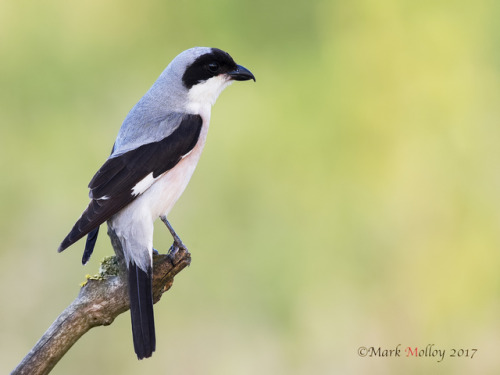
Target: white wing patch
187, 154
144, 184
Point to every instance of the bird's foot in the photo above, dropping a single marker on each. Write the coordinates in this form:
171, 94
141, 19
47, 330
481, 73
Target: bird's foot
177, 245
174, 249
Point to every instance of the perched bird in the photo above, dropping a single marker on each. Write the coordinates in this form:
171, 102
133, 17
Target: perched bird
152, 160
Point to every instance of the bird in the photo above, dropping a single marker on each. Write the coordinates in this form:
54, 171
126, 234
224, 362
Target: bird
152, 160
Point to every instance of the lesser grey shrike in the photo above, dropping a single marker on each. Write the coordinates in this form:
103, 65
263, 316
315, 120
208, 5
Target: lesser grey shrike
153, 158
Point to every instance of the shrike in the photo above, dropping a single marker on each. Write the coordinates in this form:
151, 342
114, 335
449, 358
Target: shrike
152, 160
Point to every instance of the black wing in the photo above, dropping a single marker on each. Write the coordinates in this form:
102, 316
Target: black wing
111, 187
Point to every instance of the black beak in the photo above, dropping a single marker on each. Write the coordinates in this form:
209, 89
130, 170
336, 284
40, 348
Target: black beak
241, 74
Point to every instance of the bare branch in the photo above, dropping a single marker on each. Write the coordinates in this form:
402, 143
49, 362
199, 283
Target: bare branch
99, 302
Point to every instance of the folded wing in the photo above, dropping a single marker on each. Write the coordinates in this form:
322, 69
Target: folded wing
124, 177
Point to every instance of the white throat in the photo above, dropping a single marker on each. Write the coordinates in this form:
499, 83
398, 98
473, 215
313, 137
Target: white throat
203, 95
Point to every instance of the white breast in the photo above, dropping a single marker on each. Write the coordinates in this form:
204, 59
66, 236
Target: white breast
161, 196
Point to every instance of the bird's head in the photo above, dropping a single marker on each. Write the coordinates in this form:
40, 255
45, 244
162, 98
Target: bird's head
207, 63
205, 72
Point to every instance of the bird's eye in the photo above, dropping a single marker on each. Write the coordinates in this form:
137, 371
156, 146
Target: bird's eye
213, 67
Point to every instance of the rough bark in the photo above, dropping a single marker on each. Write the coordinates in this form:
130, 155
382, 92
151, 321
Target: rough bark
99, 302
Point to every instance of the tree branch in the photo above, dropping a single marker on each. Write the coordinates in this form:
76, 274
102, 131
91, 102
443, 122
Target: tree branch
100, 301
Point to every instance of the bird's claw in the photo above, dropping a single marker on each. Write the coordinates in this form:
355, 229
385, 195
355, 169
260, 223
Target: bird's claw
177, 245
174, 249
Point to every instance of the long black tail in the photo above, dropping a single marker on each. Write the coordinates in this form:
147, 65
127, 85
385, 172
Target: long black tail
141, 311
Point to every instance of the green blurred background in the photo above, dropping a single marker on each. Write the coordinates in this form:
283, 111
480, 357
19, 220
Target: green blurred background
348, 198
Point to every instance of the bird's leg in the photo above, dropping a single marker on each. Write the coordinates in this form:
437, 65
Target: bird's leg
177, 241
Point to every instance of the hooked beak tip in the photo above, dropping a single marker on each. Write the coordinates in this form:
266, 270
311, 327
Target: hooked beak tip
241, 74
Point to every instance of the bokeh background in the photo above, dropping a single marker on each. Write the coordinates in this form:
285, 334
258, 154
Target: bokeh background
348, 198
